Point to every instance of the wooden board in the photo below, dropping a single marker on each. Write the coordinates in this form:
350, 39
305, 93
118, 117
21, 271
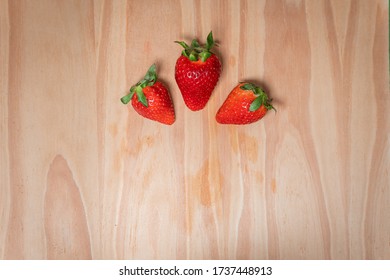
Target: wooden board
83, 176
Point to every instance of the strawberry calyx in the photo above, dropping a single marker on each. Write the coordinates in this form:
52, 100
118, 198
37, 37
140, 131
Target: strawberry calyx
149, 80
261, 97
195, 51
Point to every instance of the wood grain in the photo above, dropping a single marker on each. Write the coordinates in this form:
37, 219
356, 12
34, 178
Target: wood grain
84, 177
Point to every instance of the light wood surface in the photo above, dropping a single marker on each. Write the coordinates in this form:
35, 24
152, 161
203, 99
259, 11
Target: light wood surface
83, 176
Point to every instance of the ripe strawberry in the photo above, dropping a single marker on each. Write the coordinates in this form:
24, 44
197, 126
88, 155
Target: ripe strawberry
151, 99
197, 72
246, 103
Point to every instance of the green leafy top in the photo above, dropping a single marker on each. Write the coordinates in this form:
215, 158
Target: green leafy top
149, 80
261, 97
196, 51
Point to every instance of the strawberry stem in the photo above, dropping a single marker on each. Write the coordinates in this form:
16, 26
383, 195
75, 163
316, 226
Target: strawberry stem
196, 51
204, 56
126, 99
210, 41
141, 96
261, 97
149, 79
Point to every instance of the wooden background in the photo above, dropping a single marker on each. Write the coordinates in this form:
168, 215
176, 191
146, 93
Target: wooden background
83, 176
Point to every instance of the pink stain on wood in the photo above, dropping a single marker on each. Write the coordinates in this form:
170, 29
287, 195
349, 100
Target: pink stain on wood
66, 228
273, 185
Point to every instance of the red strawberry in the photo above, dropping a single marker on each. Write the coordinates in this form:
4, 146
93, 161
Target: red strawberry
246, 103
151, 99
197, 72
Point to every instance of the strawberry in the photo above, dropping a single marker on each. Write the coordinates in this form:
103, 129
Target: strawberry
246, 103
151, 99
197, 72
